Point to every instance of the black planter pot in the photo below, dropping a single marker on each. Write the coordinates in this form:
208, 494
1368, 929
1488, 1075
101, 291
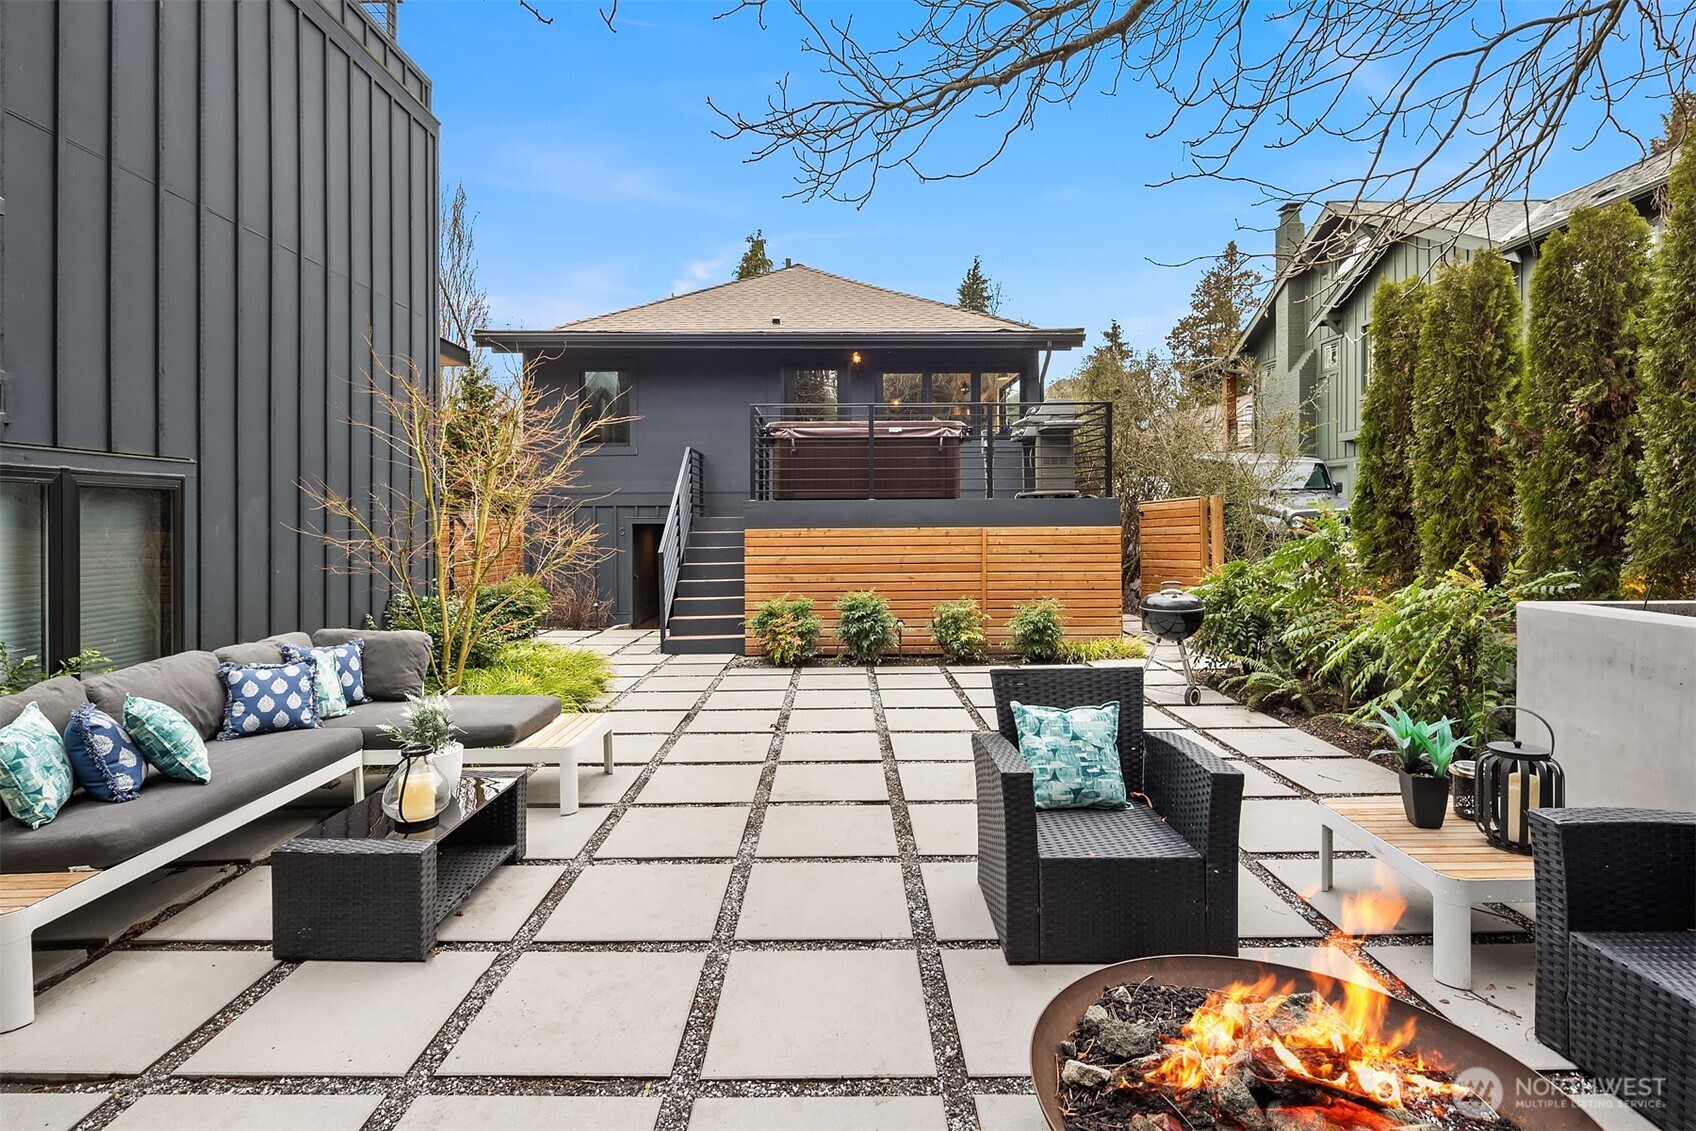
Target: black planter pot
1425, 799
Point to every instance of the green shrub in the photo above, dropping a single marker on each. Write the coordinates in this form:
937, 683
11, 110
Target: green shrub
1662, 541
957, 627
19, 672
1577, 408
866, 628
506, 613
1102, 648
1381, 508
574, 676
1469, 364
1038, 630
788, 629
1306, 620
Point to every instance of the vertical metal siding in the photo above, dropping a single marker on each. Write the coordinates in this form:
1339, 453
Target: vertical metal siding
212, 208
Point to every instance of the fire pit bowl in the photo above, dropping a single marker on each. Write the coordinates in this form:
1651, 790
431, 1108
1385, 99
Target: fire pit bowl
1536, 1106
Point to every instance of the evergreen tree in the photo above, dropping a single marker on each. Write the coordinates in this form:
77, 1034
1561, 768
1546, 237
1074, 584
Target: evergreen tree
1469, 365
1578, 464
1219, 305
755, 261
1381, 511
1662, 540
1676, 122
977, 292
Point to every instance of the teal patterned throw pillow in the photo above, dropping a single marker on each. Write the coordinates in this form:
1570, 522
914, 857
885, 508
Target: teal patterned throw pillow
167, 740
35, 771
1073, 755
326, 678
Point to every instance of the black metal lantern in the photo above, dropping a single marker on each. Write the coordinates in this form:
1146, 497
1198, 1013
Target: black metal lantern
1513, 779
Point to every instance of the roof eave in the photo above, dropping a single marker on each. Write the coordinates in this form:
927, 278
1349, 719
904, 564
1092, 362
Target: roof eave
520, 341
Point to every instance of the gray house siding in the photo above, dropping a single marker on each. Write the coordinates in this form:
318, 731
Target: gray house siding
702, 398
210, 209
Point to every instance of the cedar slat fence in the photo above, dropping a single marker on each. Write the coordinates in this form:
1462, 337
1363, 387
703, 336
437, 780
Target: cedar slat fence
917, 567
1180, 540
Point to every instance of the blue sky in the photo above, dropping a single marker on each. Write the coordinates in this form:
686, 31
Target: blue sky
591, 161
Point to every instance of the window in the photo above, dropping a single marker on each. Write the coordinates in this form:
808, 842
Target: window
606, 393
820, 387
125, 558
952, 389
903, 393
88, 561
23, 568
1330, 355
1001, 392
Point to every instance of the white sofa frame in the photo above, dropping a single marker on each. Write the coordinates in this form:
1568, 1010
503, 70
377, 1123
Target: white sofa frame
17, 928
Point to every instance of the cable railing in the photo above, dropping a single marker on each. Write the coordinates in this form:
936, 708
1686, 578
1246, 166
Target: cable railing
686, 503
931, 450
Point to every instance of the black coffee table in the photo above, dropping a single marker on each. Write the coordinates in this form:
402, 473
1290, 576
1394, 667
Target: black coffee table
354, 889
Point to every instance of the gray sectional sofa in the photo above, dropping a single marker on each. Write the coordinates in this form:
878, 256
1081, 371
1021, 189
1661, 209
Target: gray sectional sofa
250, 776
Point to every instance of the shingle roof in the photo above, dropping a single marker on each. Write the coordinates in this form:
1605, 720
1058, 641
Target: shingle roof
794, 300
1626, 184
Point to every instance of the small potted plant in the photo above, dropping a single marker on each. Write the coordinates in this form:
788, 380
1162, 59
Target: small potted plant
1424, 752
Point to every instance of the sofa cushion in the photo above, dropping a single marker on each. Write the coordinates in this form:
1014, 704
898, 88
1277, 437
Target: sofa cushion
35, 773
187, 682
106, 760
394, 662
258, 652
298, 639
57, 698
262, 698
481, 720
167, 740
100, 836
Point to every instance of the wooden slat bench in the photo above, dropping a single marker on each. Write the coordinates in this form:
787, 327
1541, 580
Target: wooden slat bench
565, 740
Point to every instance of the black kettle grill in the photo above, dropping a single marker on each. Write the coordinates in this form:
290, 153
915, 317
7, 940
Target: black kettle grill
1174, 614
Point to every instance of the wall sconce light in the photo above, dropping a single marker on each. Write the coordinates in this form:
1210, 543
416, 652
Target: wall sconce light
854, 357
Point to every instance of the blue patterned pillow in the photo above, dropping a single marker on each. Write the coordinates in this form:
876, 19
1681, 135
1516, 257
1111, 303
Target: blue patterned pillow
350, 663
326, 678
266, 698
106, 760
1073, 755
35, 773
167, 739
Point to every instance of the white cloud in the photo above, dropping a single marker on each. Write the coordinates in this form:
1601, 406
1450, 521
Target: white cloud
563, 297
698, 273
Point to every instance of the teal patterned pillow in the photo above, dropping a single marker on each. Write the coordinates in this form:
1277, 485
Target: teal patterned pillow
326, 678
35, 771
1073, 755
167, 739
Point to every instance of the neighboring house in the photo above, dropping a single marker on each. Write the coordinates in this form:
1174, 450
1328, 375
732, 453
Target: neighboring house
1308, 341
216, 218
814, 403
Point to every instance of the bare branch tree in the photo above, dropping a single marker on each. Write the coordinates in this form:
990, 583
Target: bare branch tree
1451, 99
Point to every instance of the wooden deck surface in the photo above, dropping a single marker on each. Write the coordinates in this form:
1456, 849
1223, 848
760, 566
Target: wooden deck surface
1457, 849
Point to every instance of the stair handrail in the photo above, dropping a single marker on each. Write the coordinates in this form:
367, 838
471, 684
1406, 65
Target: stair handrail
686, 502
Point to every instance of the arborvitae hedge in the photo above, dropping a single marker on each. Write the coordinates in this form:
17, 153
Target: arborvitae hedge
1662, 540
1381, 511
1578, 462
1469, 365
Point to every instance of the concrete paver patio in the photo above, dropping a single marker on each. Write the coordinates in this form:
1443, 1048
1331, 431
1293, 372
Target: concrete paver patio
767, 918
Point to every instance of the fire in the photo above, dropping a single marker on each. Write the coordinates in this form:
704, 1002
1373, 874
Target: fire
1339, 1040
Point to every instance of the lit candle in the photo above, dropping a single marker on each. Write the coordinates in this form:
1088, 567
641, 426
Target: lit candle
1517, 786
417, 798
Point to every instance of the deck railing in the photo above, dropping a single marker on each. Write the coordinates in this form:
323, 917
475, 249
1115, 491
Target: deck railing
686, 503
932, 450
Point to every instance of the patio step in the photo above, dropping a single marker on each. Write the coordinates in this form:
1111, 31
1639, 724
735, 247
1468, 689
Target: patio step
706, 614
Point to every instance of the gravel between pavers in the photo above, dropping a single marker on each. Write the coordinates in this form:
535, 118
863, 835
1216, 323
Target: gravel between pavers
678, 1090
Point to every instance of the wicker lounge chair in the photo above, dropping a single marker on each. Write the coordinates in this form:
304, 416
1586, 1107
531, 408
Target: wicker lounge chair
1097, 885
1616, 952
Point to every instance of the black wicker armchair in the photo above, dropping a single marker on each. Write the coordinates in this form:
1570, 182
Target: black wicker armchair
1100, 885
1616, 951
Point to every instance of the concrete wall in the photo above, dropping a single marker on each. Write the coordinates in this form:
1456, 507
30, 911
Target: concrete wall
1618, 685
